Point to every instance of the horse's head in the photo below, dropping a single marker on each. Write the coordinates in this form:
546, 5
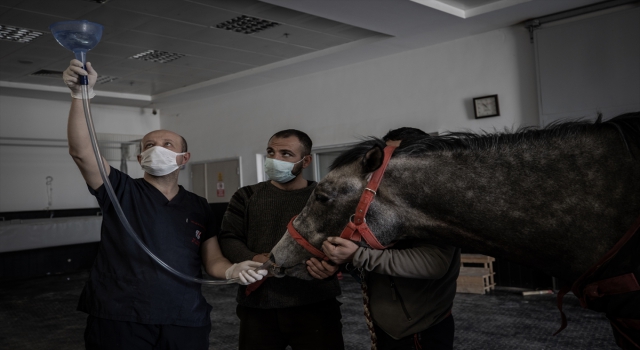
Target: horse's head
333, 203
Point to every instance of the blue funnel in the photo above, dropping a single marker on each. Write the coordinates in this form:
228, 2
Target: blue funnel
79, 37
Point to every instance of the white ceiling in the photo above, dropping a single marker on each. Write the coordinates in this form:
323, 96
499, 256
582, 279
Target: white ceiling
314, 35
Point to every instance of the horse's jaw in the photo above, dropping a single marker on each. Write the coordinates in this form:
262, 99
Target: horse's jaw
289, 259
298, 271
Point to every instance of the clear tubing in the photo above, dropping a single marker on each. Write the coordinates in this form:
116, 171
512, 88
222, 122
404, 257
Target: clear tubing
116, 203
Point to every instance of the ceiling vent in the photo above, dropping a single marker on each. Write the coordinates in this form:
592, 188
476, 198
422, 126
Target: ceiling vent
47, 74
247, 25
157, 56
20, 35
103, 79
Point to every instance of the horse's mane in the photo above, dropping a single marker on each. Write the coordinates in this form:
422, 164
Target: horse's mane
627, 125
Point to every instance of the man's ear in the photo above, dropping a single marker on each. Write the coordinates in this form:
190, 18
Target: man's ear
139, 159
185, 158
307, 161
373, 159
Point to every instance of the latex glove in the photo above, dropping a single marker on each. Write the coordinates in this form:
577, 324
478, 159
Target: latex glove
339, 250
71, 74
245, 271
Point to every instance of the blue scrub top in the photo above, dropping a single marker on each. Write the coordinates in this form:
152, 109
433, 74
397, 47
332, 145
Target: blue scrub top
125, 283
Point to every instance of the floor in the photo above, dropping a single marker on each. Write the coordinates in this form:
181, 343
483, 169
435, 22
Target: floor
40, 313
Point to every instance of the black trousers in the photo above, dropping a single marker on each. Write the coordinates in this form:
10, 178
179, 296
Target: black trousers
102, 334
436, 337
308, 327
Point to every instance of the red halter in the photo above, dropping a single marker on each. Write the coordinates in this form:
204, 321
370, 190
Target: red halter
357, 228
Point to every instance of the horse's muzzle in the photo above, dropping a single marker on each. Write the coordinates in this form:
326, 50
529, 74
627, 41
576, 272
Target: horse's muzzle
270, 265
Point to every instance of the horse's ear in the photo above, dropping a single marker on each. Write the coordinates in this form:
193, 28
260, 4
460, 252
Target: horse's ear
373, 159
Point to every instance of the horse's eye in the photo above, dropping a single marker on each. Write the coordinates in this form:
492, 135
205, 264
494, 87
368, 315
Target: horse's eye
322, 198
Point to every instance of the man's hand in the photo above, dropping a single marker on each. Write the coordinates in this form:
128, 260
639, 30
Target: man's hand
320, 269
245, 272
339, 250
71, 77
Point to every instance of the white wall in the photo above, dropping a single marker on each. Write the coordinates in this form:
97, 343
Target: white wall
430, 88
23, 169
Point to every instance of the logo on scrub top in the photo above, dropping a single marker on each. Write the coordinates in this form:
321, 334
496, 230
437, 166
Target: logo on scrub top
198, 233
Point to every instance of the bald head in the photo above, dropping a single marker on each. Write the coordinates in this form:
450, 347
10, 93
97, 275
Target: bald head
165, 138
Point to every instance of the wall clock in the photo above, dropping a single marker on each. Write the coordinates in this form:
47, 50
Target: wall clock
486, 106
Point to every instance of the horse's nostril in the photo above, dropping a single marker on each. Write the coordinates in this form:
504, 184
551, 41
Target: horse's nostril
272, 258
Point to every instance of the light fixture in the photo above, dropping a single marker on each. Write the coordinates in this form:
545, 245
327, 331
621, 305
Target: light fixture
246, 24
21, 35
157, 56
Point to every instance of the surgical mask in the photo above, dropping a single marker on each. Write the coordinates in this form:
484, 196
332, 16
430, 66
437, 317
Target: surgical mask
159, 161
280, 171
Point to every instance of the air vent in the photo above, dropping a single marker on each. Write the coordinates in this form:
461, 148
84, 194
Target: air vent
103, 79
47, 74
157, 56
20, 35
247, 25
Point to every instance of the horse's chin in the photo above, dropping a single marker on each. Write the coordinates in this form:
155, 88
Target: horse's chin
298, 271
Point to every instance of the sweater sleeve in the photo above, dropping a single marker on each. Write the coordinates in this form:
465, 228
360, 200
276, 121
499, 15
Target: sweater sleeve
425, 261
233, 235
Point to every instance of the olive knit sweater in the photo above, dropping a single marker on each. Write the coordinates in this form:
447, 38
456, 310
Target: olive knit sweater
255, 220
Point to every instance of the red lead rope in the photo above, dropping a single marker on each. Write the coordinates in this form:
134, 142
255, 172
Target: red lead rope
615, 285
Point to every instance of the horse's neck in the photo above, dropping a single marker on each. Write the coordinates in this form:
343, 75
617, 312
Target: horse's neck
557, 211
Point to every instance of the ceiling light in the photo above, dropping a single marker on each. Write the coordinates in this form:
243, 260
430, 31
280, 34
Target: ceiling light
247, 25
20, 35
157, 56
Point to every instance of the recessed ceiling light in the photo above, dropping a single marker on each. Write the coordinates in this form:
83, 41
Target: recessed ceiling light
246, 24
21, 35
468, 8
157, 56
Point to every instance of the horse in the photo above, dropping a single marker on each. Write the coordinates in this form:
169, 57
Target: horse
556, 199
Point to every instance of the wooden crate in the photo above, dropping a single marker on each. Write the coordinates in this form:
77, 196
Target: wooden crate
477, 280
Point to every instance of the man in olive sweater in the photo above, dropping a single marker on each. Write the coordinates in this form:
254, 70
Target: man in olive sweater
282, 311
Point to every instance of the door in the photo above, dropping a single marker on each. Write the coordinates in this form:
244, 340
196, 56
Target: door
223, 180
216, 181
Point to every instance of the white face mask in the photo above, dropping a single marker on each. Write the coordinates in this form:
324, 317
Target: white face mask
159, 161
280, 171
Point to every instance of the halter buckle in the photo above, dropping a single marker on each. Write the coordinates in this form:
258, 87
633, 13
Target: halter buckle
364, 220
370, 190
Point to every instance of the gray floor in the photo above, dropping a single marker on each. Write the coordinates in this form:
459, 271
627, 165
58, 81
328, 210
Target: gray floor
40, 314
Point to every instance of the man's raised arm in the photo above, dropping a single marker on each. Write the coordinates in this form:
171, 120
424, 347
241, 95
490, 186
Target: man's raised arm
80, 147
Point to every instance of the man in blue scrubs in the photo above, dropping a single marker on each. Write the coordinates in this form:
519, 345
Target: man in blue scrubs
132, 302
